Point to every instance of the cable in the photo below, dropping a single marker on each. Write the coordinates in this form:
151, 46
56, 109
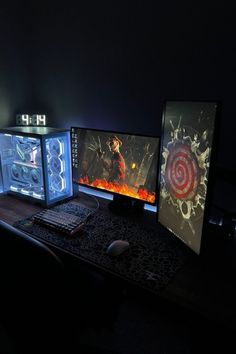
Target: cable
94, 198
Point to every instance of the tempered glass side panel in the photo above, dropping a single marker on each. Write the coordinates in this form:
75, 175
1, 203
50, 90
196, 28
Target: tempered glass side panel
58, 167
21, 165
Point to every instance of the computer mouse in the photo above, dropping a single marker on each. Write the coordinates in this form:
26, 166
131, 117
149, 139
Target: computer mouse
117, 247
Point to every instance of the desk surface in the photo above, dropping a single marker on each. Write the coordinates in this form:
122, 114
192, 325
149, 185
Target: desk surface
205, 284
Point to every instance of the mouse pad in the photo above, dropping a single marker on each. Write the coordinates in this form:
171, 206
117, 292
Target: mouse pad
151, 260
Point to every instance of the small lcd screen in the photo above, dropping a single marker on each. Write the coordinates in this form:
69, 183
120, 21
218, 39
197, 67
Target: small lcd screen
188, 129
123, 164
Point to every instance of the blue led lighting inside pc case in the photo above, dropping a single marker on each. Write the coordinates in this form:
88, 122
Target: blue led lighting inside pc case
36, 163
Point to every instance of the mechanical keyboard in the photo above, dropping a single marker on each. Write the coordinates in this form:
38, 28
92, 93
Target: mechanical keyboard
61, 220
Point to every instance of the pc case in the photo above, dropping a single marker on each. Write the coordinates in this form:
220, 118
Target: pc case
35, 162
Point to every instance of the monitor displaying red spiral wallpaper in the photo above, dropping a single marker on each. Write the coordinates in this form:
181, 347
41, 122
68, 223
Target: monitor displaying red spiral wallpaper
187, 140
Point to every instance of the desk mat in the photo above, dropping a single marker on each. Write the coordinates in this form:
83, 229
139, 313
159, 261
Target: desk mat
152, 259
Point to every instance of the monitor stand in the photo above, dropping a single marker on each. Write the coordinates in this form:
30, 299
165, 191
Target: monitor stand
125, 206
75, 190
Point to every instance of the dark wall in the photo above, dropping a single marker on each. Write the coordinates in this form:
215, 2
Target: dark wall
15, 78
110, 64
96, 66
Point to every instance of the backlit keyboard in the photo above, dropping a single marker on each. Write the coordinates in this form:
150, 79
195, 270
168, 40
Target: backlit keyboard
61, 220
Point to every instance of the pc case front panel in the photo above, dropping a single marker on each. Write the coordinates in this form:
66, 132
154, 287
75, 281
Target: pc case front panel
21, 165
57, 167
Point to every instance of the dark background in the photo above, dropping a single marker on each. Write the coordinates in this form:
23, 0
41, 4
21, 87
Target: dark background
111, 64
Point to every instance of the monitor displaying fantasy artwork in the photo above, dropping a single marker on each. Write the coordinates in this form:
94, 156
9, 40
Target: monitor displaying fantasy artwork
120, 163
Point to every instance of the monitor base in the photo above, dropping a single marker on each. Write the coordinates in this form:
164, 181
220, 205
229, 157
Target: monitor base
125, 206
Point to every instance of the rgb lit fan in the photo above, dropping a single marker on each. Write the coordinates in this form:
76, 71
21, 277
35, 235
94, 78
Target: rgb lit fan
55, 147
55, 164
35, 176
57, 183
15, 173
25, 173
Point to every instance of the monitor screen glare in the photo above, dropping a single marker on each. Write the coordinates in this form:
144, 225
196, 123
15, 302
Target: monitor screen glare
123, 164
188, 129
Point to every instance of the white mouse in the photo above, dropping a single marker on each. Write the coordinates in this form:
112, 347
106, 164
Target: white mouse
117, 247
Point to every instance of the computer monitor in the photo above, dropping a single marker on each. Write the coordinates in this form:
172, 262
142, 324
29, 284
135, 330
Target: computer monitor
186, 154
119, 163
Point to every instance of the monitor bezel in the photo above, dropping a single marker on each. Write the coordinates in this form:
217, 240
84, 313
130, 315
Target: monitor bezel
210, 183
114, 193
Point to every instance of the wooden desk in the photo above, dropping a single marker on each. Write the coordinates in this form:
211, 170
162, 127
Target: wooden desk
205, 285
